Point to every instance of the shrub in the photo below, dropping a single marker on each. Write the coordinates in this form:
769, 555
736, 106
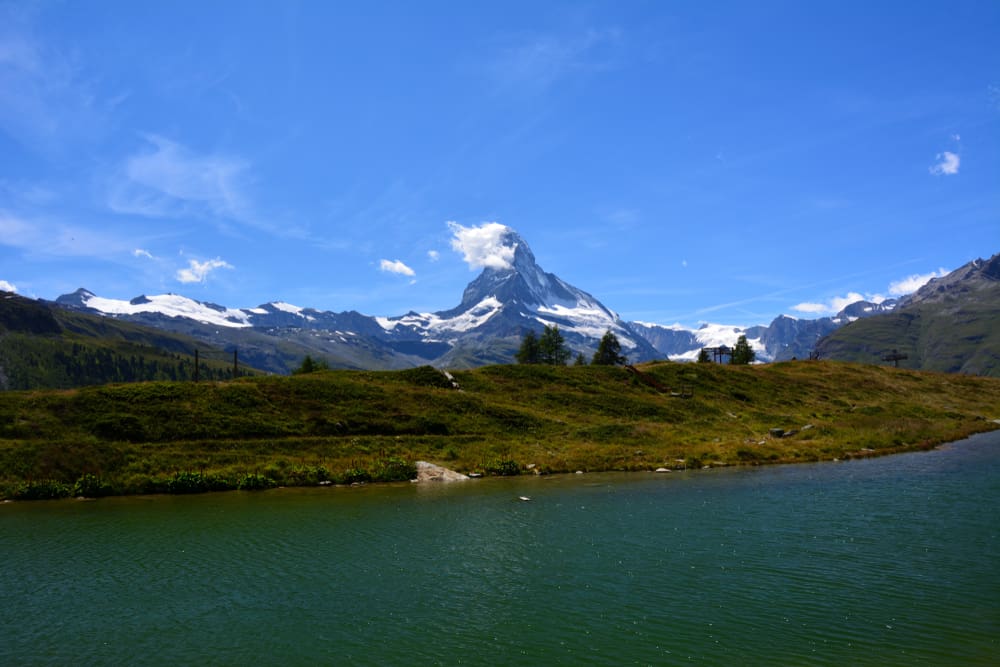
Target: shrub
503, 468
255, 482
42, 490
393, 469
188, 482
92, 486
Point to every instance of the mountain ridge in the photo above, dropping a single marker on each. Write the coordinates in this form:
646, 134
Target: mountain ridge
951, 324
506, 300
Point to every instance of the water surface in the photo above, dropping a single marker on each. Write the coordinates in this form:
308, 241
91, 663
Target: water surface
883, 561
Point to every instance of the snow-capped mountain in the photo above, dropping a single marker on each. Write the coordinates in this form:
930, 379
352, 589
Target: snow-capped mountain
497, 308
505, 302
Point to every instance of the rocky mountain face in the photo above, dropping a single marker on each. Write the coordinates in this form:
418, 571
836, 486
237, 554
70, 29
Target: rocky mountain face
951, 324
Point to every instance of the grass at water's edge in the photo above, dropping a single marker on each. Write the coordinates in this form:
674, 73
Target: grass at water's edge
342, 427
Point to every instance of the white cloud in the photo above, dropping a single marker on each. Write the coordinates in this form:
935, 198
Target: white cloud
836, 304
7, 287
197, 272
897, 288
485, 246
911, 284
139, 252
433, 255
538, 61
947, 165
396, 267
812, 308
169, 179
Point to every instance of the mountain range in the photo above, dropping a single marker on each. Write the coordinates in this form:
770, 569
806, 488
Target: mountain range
504, 302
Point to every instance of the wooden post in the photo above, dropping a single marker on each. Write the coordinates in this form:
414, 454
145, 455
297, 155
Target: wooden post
236, 366
895, 357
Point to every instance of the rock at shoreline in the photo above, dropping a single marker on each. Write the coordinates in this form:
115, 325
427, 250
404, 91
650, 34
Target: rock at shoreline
428, 472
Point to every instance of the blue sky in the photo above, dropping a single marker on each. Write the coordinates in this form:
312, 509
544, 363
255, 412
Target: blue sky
681, 161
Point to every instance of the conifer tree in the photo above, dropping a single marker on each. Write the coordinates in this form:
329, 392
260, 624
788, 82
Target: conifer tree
529, 353
552, 347
609, 351
742, 352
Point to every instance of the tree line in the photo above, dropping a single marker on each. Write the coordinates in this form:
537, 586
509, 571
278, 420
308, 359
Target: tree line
33, 363
550, 348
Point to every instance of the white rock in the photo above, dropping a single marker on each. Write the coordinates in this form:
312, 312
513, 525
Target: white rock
428, 472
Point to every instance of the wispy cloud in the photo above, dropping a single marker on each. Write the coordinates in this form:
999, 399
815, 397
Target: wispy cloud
947, 164
485, 246
433, 255
912, 283
538, 61
140, 253
7, 286
46, 99
45, 237
198, 272
396, 266
167, 179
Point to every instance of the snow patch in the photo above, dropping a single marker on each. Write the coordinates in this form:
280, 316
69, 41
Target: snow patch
433, 324
286, 307
171, 305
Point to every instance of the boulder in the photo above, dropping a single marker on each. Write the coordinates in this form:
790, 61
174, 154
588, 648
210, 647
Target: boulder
428, 472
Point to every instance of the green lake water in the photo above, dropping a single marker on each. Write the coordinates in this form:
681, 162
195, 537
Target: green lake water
889, 561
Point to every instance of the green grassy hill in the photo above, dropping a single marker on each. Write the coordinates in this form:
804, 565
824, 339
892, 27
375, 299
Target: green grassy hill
352, 426
952, 325
47, 347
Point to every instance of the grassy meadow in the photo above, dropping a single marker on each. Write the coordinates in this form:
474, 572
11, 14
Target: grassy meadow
335, 427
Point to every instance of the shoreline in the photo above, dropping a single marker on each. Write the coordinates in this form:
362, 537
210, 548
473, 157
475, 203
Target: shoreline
346, 427
859, 455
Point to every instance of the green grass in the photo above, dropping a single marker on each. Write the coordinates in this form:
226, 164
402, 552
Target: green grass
360, 426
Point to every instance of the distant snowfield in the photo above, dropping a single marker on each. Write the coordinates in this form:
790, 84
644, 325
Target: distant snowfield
172, 305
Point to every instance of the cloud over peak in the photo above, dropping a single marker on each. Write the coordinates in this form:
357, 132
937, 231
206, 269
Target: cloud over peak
486, 246
835, 304
897, 288
911, 284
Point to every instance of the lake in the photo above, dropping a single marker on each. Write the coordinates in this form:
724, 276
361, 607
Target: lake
888, 561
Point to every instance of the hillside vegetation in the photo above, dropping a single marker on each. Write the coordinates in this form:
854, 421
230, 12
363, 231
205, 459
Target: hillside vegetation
934, 337
356, 426
42, 346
